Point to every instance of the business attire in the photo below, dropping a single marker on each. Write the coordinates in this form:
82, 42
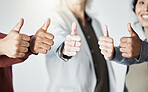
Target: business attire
137, 72
6, 63
77, 74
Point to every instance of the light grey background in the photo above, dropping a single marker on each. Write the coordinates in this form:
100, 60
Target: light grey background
31, 75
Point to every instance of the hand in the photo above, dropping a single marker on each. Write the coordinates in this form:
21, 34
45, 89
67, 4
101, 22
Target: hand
15, 45
106, 45
42, 41
73, 42
130, 46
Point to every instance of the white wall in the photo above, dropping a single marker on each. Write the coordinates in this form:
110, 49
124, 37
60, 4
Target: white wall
31, 75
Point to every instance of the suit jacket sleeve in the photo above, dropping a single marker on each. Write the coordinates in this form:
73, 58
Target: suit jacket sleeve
6, 61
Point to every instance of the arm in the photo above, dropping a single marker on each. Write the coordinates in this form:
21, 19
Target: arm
6, 61
127, 53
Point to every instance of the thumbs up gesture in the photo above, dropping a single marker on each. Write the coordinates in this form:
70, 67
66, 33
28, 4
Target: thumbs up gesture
130, 46
15, 45
42, 41
73, 42
106, 45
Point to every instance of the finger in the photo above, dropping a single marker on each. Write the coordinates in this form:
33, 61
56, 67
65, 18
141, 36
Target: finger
43, 51
20, 55
70, 43
106, 31
71, 49
78, 44
126, 55
25, 37
73, 43
106, 54
123, 50
124, 39
19, 25
105, 43
108, 49
131, 31
123, 45
49, 36
47, 41
23, 49
45, 46
24, 44
73, 37
107, 39
70, 53
46, 24
74, 28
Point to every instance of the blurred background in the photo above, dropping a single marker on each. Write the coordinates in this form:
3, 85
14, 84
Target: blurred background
31, 75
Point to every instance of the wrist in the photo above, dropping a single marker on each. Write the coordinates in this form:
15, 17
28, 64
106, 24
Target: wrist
31, 47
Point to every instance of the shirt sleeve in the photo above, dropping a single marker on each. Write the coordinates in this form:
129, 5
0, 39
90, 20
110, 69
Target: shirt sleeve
144, 52
122, 60
6, 61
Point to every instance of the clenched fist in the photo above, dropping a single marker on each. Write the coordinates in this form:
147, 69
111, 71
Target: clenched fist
15, 45
130, 46
42, 41
106, 45
73, 42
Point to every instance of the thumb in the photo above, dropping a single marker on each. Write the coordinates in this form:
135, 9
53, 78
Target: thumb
46, 24
19, 25
74, 28
130, 29
106, 31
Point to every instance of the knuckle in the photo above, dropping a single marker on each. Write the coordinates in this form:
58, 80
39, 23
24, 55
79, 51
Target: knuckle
129, 40
130, 55
26, 49
79, 38
52, 36
17, 36
45, 51
40, 33
75, 53
102, 52
38, 39
49, 47
28, 44
52, 42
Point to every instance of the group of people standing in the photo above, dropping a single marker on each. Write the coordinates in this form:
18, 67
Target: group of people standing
78, 51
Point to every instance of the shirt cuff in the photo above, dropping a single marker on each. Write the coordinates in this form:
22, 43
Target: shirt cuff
61, 55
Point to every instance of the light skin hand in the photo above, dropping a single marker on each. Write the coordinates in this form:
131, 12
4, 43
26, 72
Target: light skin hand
15, 45
106, 45
73, 42
130, 46
42, 41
